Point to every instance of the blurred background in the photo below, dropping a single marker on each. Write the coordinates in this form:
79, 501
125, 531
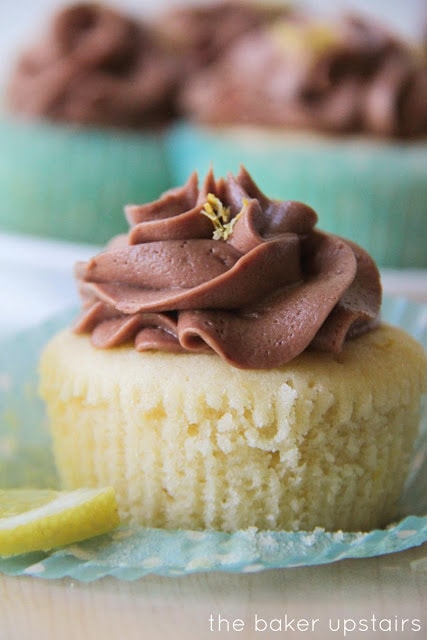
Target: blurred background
18, 20
35, 272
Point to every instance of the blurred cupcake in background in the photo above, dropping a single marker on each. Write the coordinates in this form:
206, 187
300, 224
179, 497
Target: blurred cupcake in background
107, 108
200, 34
350, 77
330, 113
86, 106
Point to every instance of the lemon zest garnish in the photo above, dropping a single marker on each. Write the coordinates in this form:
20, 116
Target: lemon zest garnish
220, 217
316, 38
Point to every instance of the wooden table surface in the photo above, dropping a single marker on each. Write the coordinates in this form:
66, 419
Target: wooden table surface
367, 598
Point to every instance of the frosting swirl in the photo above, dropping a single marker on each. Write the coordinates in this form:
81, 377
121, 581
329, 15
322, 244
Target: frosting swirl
349, 77
268, 288
95, 65
199, 34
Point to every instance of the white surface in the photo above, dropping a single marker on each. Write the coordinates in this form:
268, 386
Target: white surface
36, 280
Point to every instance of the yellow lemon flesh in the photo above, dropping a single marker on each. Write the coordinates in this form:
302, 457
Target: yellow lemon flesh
43, 519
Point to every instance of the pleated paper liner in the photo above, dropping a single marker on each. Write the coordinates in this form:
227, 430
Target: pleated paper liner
26, 459
59, 181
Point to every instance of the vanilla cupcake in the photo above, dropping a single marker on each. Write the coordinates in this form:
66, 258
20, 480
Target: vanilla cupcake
82, 125
230, 369
330, 113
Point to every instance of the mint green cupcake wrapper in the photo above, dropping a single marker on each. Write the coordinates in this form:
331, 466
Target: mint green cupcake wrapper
130, 553
61, 182
372, 192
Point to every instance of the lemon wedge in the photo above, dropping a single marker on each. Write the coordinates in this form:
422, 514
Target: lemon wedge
43, 519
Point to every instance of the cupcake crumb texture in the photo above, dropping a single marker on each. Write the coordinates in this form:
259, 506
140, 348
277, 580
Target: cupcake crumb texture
190, 442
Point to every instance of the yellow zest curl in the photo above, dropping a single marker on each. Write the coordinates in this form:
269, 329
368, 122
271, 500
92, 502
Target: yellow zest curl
220, 217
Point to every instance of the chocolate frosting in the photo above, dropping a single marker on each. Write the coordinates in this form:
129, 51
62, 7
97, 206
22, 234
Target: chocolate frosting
200, 34
95, 66
348, 77
270, 286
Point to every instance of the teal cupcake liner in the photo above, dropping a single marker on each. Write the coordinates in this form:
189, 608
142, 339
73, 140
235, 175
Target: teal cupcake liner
373, 192
62, 182
130, 553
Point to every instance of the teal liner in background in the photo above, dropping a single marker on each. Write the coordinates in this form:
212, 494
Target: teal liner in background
57, 181
130, 553
371, 191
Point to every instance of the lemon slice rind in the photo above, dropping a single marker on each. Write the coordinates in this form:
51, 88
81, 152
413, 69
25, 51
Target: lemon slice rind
66, 517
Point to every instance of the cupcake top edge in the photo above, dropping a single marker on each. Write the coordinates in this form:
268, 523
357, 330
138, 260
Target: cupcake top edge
219, 267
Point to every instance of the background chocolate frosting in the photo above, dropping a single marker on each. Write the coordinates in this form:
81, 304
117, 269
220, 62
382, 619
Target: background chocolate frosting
225, 63
344, 77
95, 65
200, 34
275, 287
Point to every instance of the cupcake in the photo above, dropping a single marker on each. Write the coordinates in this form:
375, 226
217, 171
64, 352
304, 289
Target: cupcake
230, 369
199, 34
82, 125
333, 114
